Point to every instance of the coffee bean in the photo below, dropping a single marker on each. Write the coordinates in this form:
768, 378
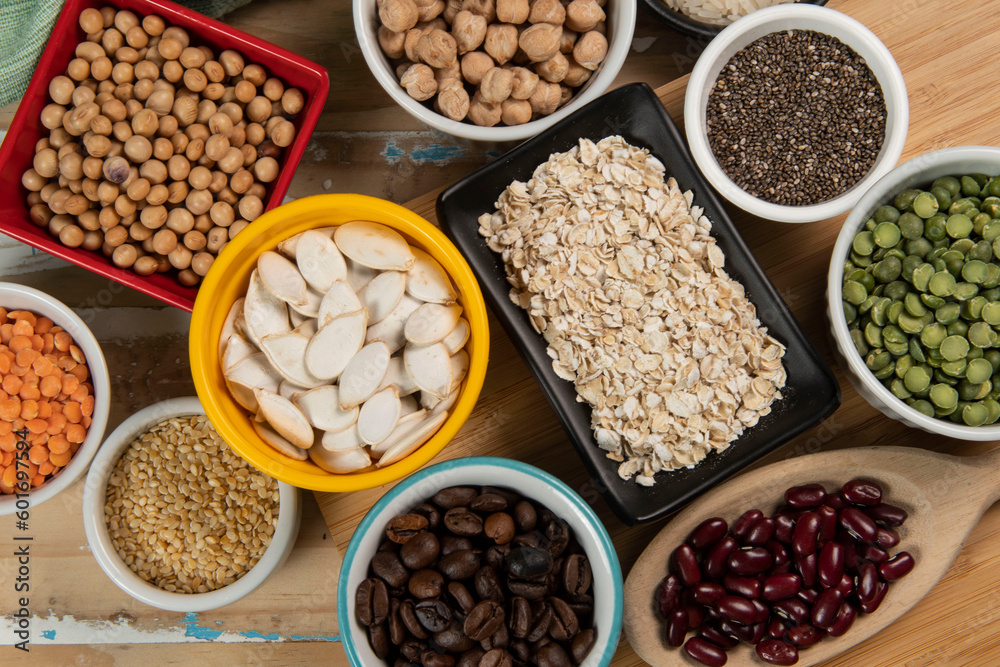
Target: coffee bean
455, 496
434, 615
557, 534
431, 513
525, 516
411, 650
530, 539
526, 562
454, 639
520, 617
499, 639
564, 622
401, 528
553, 655
497, 657
484, 619
397, 630
583, 605
488, 584
581, 645
471, 657
408, 614
576, 574
460, 597
420, 550
496, 555
426, 584
499, 527
378, 636
488, 503
541, 619
431, 658
531, 590
460, 564
452, 543
464, 522
387, 566
371, 602
519, 650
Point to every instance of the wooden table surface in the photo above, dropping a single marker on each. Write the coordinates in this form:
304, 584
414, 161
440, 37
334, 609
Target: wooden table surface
363, 143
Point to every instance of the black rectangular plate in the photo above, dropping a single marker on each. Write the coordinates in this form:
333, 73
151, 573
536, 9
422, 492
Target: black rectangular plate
634, 112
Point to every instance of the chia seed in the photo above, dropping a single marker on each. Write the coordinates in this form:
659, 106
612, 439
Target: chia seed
796, 118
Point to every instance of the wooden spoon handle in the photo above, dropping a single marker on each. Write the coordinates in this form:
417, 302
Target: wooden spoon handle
985, 474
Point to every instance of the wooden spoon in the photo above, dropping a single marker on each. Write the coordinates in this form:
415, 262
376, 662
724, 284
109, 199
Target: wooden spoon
944, 495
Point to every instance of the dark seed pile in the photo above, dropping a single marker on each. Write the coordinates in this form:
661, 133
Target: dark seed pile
796, 118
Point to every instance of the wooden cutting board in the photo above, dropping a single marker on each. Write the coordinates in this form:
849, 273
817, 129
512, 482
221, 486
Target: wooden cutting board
947, 51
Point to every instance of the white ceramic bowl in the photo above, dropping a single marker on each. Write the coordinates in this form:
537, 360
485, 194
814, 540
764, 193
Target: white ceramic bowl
918, 172
289, 515
19, 297
799, 17
527, 480
621, 23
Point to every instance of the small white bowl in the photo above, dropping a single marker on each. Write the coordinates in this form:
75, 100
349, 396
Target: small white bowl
531, 482
286, 530
19, 297
795, 17
621, 23
918, 172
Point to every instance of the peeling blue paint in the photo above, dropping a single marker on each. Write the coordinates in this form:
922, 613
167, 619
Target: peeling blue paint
253, 634
493, 154
51, 634
392, 152
314, 638
196, 631
436, 153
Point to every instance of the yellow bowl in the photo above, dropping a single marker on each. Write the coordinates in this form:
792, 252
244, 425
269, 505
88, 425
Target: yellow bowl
228, 280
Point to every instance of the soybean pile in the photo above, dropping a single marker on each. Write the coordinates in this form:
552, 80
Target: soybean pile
921, 297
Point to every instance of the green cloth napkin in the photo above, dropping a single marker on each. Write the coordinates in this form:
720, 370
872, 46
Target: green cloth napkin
25, 26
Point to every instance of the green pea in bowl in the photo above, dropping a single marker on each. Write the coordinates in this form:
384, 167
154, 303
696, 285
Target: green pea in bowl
913, 294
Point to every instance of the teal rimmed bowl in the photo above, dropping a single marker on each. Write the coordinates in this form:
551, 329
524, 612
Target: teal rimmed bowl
531, 482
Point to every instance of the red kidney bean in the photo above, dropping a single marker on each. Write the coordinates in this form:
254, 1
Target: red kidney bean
805, 497
887, 514
776, 628
845, 619
743, 524
748, 562
763, 611
708, 532
805, 635
781, 586
897, 567
806, 566
737, 608
826, 608
677, 628
860, 492
696, 615
851, 558
873, 604
778, 552
805, 534
715, 563
686, 565
808, 595
742, 632
784, 524
748, 587
887, 538
707, 592
830, 566
784, 568
760, 532
835, 500
669, 594
846, 585
705, 652
759, 632
867, 582
858, 524
827, 522
777, 652
874, 553
792, 609
718, 637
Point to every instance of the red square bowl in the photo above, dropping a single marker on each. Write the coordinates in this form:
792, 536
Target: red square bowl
18, 148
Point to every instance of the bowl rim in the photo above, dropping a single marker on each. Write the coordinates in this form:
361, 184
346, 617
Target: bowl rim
619, 43
691, 26
602, 540
285, 531
705, 72
99, 377
909, 171
429, 238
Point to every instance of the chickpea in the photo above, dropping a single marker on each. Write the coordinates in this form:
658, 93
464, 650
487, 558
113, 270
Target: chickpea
541, 41
553, 70
547, 11
513, 11
391, 42
576, 75
590, 50
474, 65
418, 79
452, 100
496, 86
482, 113
398, 15
546, 98
501, 42
437, 48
